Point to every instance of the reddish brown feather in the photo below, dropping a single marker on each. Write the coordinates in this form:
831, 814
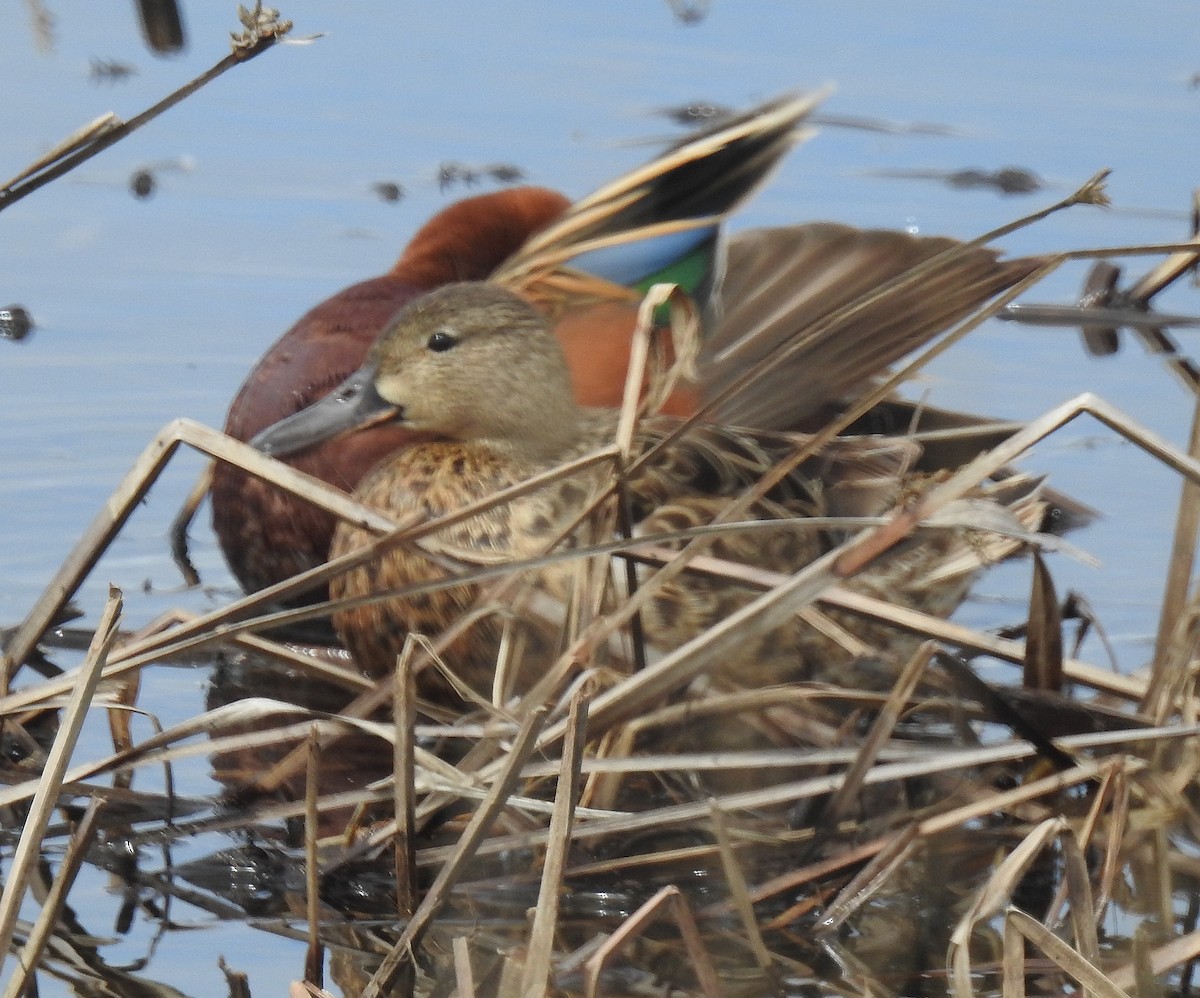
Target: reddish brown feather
267, 535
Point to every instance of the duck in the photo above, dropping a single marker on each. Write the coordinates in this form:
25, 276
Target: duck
479, 373
266, 534
584, 265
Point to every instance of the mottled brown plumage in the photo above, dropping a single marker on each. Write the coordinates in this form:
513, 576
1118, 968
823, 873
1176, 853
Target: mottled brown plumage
477, 366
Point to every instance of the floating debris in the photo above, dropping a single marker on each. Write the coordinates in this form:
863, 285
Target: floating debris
111, 71
144, 181
15, 323
1091, 316
702, 112
387, 190
505, 173
452, 172
43, 24
1006, 180
689, 11
880, 125
142, 184
698, 112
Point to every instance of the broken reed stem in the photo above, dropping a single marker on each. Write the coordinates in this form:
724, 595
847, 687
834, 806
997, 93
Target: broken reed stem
994, 896
1084, 973
45, 799
1166, 272
1162, 959
1012, 962
1147, 985
314, 955
881, 731
509, 985
1078, 890
1135, 249
702, 965
404, 792
464, 976
739, 894
108, 130
76, 140
1179, 568
43, 926
238, 983
536, 976
401, 953
685, 325
934, 825
868, 880
1115, 785
183, 521
1160, 851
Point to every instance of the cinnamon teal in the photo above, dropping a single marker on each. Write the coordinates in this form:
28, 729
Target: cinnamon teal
478, 371
577, 263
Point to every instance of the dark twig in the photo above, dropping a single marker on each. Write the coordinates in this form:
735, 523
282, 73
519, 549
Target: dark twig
92, 141
314, 956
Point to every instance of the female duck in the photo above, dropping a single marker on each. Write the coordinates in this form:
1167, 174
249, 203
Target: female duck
478, 368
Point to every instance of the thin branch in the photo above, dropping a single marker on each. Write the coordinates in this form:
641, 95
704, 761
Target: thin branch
93, 139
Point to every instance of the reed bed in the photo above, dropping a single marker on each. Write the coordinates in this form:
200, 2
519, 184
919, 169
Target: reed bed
638, 821
617, 829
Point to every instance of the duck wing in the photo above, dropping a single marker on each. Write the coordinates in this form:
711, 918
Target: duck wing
661, 221
781, 349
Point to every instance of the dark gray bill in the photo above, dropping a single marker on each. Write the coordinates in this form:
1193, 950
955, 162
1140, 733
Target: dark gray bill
354, 404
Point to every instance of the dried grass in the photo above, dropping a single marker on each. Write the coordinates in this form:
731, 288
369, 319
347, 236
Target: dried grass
735, 840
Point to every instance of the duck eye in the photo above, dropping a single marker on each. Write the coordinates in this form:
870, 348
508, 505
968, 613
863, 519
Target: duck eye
441, 341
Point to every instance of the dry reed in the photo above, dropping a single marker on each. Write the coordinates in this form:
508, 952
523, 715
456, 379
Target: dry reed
733, 839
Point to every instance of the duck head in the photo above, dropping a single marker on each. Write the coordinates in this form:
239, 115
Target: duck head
468, 362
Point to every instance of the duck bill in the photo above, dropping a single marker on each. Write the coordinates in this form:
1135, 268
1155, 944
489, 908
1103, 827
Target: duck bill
353, 405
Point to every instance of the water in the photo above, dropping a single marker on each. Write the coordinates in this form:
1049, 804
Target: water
148, 310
